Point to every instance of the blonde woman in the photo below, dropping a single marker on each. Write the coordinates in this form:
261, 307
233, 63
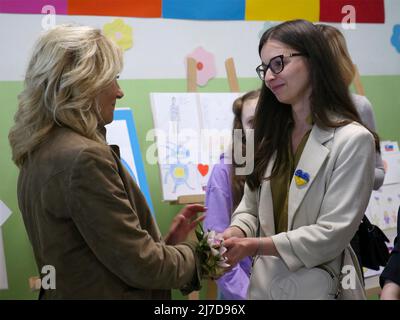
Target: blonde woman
83, 212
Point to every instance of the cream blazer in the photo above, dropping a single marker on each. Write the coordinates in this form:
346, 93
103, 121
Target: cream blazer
323, 214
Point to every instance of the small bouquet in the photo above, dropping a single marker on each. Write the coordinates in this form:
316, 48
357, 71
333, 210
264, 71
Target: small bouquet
210, 250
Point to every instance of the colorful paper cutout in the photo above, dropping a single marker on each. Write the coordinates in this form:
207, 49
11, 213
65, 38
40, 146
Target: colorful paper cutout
272, 10
203, 169
367, 11
395, 39
29, 6
119, 8
203, 9
120, 32
205, 65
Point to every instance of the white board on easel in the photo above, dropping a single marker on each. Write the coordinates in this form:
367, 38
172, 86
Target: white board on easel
184, 164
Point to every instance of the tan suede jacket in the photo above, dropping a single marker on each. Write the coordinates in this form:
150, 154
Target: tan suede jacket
85, 216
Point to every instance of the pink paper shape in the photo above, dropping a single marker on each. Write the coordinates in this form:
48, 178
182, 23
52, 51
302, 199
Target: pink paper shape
32, 6
205, 65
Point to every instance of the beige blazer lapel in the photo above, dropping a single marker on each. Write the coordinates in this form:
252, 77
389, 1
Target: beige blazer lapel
311, 160
265, 204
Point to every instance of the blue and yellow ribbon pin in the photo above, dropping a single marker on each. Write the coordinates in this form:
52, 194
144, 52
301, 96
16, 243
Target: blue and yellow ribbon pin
301, 178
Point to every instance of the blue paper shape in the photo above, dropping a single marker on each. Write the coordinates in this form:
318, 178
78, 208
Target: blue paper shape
127, 116
204, 9
395, 40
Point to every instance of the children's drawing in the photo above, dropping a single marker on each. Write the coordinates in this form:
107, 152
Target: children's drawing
190, 129
383, 206
177, 170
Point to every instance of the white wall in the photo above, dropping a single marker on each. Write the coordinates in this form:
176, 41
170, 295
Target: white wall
160, 45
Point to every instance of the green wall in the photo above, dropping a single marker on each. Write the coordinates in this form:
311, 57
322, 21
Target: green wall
383, 91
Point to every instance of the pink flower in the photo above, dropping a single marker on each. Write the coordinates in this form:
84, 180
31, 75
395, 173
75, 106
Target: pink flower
205, 65
211, 252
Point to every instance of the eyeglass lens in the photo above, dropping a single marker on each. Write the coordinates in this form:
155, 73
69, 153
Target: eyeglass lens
275, 64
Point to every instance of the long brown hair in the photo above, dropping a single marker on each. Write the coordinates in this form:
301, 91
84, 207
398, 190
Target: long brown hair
238, 181
273, 120
338, 46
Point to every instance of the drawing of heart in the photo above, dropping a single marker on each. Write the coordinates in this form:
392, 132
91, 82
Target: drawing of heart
203, 169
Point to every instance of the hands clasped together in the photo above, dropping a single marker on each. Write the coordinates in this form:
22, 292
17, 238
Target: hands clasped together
218, 252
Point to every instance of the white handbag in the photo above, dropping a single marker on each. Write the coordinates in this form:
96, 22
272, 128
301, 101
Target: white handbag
358, 291
272, 280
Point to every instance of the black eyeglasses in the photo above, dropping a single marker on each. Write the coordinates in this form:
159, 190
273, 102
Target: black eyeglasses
275, 64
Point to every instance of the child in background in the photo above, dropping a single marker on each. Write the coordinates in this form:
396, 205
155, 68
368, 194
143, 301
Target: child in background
223, 194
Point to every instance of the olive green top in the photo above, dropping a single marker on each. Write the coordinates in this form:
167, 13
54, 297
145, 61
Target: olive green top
280, 185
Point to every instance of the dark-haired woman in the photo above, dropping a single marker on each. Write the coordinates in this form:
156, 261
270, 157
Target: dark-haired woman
313, 174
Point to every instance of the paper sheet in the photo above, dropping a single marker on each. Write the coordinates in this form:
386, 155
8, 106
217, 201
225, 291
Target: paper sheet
3, 271
5, 213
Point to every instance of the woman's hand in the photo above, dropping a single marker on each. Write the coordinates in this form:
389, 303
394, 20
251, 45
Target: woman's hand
183, 223
239, 248
233, 232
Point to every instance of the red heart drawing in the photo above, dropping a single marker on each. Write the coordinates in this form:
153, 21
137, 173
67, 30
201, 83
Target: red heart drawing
203, 169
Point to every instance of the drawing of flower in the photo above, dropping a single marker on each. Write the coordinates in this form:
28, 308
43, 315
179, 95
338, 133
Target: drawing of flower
395, 40
120, 32
205, 65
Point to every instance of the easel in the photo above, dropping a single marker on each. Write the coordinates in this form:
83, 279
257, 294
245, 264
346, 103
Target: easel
200, 198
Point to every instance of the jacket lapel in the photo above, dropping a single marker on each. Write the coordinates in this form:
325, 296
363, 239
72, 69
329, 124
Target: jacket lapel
266, 208
311, 160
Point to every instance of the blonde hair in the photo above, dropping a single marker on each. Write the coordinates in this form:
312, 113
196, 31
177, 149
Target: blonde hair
338, 46
69, 67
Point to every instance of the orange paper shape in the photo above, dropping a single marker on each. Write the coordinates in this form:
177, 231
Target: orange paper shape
119, 8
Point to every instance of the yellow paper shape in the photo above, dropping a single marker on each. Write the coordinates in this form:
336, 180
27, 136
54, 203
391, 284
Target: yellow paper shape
282, 10
120, 32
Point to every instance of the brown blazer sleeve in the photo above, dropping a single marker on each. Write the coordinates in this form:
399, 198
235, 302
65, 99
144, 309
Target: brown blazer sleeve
111, 227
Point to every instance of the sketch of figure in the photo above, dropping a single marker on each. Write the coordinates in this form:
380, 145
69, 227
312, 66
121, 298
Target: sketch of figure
174, 110
175, 116
177, 170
